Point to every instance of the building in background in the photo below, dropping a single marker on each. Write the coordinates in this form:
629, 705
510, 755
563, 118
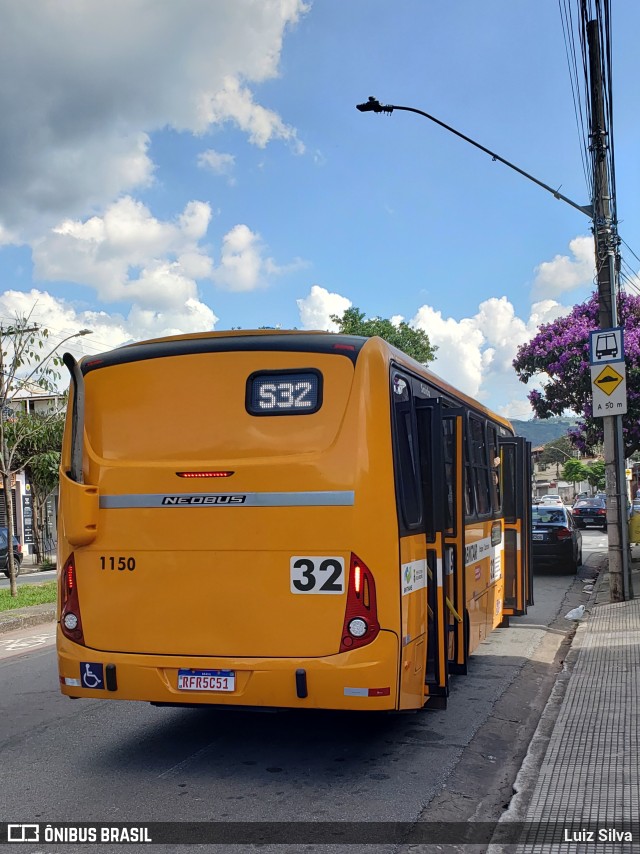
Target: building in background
31, 400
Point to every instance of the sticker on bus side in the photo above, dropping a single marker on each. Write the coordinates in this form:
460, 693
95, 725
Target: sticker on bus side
92, 674
316, 574
477, 551
495, 570
414, 576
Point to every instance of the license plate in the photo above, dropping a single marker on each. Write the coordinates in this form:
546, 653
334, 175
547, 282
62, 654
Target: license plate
206, 680
538, 536
587, 519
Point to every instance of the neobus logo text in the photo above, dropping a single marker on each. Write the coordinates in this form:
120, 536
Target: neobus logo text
173, 500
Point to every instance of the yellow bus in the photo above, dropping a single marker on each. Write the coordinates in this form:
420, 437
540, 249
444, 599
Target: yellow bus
282, 519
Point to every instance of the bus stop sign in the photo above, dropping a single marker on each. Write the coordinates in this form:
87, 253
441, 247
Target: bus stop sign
606, 345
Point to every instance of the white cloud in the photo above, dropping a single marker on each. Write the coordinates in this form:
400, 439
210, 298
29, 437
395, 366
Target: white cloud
563, 273
62, 319
516, 409
243, 264
459, 356
218, 163
235, 103
475, 354
128, 254
86, 84
316, 309
241, 260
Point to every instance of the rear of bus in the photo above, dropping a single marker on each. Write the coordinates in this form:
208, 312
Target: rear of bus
227, 527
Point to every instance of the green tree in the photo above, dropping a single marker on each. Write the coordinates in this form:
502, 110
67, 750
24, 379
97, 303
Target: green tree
27, 364
413, 342
558, 452
595, 474
38, 451
574, 472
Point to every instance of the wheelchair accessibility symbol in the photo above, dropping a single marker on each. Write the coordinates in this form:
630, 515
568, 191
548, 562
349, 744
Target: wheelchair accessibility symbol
91, 674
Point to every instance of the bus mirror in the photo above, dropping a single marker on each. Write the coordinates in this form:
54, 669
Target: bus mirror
79, 511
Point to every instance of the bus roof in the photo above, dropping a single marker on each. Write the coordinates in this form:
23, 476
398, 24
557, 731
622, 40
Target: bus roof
293, 340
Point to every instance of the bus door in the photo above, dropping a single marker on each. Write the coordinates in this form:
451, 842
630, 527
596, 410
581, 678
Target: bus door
434, 492
515, 473
457, 623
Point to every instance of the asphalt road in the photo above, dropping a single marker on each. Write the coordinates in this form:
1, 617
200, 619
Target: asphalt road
89, 760
29, 578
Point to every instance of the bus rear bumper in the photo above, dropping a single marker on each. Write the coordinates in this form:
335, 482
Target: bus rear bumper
363, 679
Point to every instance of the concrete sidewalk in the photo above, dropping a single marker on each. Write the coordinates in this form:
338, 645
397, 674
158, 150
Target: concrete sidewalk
579, 786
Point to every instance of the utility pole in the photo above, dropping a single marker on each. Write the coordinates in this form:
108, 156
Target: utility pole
606, 245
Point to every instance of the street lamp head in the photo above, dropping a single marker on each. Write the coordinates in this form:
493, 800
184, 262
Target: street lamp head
373, 106
85, 332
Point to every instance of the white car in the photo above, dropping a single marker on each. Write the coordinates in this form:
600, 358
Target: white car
551, 499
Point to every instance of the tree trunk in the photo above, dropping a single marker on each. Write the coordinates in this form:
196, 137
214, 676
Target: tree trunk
6, 483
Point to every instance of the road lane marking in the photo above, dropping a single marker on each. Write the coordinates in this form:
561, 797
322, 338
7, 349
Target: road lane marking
10, 644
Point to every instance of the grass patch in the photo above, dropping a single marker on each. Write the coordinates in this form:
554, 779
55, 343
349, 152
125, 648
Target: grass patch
29, 594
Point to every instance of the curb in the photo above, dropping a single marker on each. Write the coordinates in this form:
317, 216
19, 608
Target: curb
23, 618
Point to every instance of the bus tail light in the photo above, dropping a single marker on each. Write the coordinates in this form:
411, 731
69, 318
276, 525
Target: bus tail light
361, 615
70, 620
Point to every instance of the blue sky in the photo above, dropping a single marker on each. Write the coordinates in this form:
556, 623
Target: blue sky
176, 167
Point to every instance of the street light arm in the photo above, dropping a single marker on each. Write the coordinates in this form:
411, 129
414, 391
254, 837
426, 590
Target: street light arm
374, 106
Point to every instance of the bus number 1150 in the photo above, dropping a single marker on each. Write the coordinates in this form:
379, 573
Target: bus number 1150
119, 563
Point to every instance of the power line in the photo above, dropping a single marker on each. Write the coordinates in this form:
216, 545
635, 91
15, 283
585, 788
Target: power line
630, 249
88, 344
572, 63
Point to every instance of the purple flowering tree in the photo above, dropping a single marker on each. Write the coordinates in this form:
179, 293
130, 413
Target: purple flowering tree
561, 351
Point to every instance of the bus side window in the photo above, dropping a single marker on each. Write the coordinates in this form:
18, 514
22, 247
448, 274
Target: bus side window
469, 499
449, 472
480, 465
494, 463
508, 472
406, 462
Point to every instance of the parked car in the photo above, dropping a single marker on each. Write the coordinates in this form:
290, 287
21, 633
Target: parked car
591, 511
551, 499
4, 554
556, 540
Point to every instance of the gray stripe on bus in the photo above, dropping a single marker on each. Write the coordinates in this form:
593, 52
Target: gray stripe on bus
252, 499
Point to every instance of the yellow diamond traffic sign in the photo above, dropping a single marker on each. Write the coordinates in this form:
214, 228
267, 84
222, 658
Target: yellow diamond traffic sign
608, 389
608, 380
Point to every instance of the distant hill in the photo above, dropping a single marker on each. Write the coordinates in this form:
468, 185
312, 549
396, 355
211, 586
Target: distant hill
539, 431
